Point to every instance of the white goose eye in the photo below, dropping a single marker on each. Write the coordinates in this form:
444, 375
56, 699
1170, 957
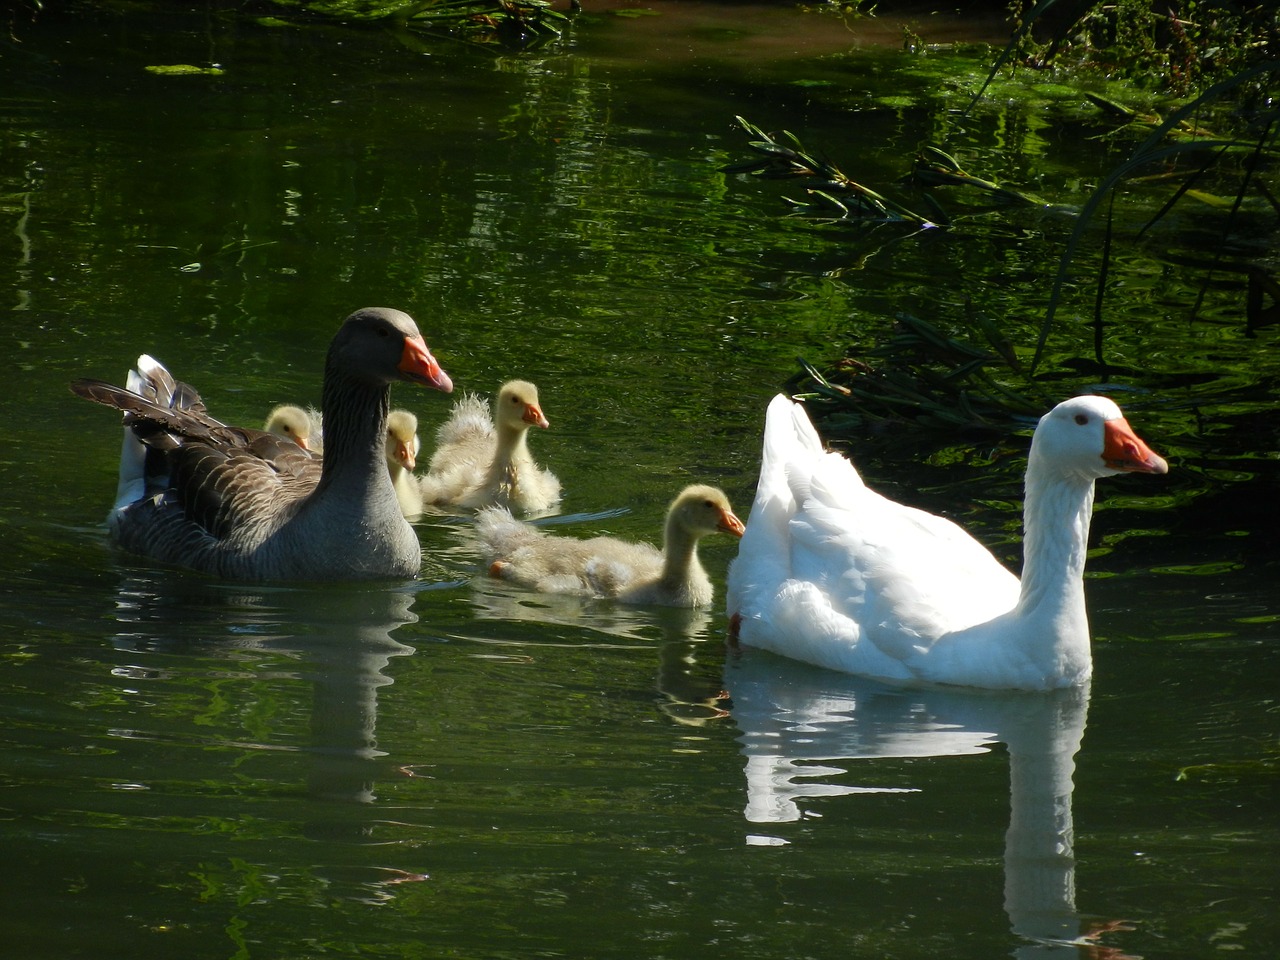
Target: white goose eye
1081, 419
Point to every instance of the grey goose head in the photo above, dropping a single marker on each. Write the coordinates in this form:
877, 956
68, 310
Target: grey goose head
380, 345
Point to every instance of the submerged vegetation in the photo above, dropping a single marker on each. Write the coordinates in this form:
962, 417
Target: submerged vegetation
1204, 127
1175, 47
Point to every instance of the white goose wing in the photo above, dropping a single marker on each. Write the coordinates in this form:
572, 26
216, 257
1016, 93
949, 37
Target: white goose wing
905, 577
836, 574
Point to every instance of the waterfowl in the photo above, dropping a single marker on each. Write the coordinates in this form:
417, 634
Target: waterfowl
296, 424
402, 446
608, 567
248, 505
306, 429
481, 461
832, 573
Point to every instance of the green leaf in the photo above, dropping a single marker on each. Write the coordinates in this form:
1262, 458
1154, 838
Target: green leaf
184, 70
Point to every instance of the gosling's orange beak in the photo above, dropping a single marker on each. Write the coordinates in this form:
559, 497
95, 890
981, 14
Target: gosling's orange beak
417, 365
303, 442
404, 453
730, 523
533, 415
1122, 449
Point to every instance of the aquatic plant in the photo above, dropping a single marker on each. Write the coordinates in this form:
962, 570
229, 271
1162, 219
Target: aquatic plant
832, 195
1214, 149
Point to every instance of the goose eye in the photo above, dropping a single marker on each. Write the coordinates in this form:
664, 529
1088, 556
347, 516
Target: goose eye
1081, 419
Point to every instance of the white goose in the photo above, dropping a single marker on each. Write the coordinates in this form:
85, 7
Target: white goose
832, 573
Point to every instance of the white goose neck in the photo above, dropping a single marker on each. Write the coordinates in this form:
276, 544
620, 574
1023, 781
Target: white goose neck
1056, 514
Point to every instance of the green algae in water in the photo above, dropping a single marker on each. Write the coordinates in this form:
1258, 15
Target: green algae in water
184, 70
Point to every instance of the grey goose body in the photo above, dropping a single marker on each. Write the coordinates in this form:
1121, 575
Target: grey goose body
248, 505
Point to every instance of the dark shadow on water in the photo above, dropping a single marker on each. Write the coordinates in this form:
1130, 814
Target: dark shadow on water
339, 639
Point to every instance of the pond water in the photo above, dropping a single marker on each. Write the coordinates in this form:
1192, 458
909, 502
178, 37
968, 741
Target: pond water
454, 768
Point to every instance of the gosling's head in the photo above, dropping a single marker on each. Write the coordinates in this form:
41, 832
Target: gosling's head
517, 406
701, 510
402, 439
292, 423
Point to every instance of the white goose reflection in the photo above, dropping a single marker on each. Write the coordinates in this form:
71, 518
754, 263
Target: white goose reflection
796, 721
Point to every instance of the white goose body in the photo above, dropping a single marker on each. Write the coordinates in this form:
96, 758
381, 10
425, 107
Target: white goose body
248, 505
832, 573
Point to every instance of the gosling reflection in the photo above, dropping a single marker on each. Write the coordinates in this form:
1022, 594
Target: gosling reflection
797, 721
688, 692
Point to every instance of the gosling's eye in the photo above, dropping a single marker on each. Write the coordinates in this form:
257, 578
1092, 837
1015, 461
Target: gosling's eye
1081, 419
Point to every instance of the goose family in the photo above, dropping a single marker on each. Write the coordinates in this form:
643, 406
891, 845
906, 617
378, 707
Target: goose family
306, 429
629, 572
832, 573
828, 571
482, 461
249, 505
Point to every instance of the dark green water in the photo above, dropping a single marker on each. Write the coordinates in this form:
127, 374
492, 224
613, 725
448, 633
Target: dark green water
454, 769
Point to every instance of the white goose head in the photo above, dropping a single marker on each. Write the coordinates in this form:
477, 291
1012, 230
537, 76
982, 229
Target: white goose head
1090, 438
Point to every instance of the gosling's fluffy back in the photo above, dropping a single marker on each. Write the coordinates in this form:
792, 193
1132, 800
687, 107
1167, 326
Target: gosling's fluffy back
481, 461
609, 567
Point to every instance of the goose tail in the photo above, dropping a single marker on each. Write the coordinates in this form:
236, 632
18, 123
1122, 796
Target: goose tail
159, 411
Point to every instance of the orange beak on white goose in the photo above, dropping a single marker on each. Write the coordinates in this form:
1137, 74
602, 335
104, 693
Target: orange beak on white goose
1123, 449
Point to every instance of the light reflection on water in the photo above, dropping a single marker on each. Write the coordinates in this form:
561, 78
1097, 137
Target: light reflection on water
796, 722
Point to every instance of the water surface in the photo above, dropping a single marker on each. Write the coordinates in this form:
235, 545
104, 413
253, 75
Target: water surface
454, 768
